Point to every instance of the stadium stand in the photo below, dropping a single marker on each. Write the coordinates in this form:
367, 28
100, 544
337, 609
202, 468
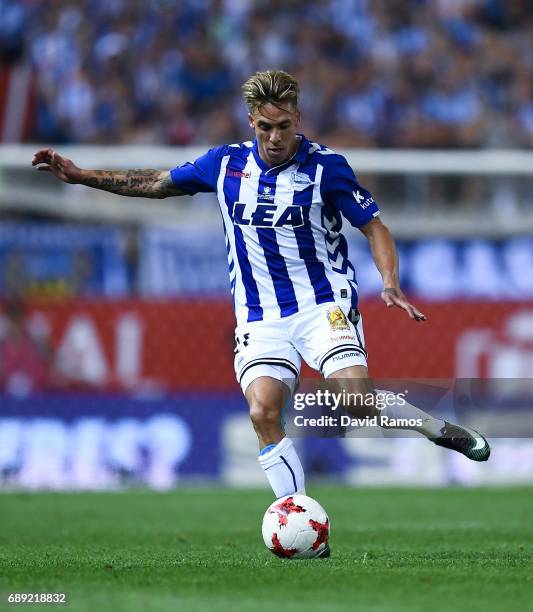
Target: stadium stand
410, 73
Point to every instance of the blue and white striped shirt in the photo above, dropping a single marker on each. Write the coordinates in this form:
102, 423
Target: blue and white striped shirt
282, 224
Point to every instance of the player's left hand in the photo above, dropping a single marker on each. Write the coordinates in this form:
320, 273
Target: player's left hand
395, 297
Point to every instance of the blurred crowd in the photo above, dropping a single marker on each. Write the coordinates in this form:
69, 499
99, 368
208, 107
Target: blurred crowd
389, 73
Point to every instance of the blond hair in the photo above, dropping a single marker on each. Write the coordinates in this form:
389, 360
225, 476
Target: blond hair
275, 87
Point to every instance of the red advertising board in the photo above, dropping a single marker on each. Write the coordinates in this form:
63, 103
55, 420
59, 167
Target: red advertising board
188, 344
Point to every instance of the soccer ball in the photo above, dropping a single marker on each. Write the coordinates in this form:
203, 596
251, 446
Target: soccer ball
296, 527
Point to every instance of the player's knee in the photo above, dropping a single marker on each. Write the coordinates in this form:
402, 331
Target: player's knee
264, 413
361, 409
357, 396
361, 403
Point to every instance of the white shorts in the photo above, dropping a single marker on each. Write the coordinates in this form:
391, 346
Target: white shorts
329, 337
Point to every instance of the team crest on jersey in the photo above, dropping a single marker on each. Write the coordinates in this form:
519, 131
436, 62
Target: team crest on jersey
337, 319
300, 181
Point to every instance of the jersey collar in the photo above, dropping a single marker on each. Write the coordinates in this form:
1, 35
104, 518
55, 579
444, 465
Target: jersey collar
300, 156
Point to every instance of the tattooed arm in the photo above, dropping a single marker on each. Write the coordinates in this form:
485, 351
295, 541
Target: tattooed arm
134, 183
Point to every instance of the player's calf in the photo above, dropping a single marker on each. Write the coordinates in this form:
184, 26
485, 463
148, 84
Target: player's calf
396, 410
265, 401
464, 440
362, 401
277, 456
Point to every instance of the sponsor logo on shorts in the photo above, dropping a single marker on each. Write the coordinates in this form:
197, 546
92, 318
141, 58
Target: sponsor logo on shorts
345, 356
342, 338
337, 319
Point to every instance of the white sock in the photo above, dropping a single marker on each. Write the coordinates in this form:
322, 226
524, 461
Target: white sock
283, 468
431, 427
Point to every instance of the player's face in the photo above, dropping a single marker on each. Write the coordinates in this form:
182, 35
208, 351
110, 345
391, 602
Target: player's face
275, 131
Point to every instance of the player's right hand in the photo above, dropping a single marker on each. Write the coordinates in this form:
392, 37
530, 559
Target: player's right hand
62, 168
394, 297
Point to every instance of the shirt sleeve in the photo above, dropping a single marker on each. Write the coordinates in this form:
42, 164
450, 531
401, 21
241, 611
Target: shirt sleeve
200, 175
341, 189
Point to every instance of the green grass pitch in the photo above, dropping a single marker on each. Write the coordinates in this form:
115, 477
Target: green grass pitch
201, 549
